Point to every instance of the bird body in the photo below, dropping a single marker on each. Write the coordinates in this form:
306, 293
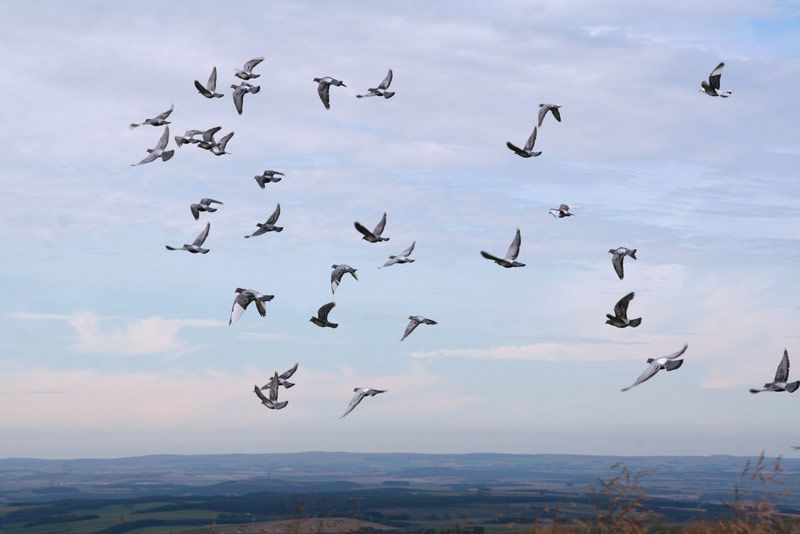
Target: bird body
324, 88
196, 246
338, 272
282, 379
560, 212
243, 299
269, 225
669, 363
238, 94
552, 108
188, 137
375, 236
268, 177
358, 396
617, 256
511, 255
321, 318
620, 317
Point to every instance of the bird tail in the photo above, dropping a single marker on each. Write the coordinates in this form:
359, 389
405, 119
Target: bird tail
179, 140
633, 254
166, 156
792, 387
278, 228
671, 365
633, 323
260, 180
316, 321
754, 391
134, 125
280, 405
388, 94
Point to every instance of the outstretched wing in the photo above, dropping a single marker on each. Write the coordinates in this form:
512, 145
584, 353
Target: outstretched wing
381, 225
275, 214
236, 311
250, 65
407, 252
324, 310
489, 256
259, 394
195, 211
212, 81
324, 94
363, 230
162, 116
513, 249
715, 76
648, 373
677, 354
162, 143
238, 100
621, 308
616, 261
288, 374
357, 398
386, 81
412, 324
203, 235
782, 374
531, 140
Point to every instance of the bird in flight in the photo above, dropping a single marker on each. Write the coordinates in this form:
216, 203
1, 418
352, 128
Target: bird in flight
158, 120
197, 246
283, 378
781, 378
268, 177
205, 204
359, 394
415, 321
617, 255
324, 88
375, 236
381, 90
669, 363
243, 299
528, 151
620, 317
321, 319
158, 151
711, 87
210, 89
560, 212
238, 94
552, 108
511, 255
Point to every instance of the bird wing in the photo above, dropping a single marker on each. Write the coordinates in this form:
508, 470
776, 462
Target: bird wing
262, 309
542, 113
238, 100
715, 76
556, 113
563, 207
212, 81
386, 81
288, 374
236, 311
782, 374
517, 150
489, 256
531, 140
275, 214
208, 201
324, 94
363, 230
336, 278
148, 158
381, 225
372, 392
648, 373
407, 252
616, 261
250, 65
677, 354
162, 143
202, 236
428, 321
195, 211
224, 141
324, 310
412, 324
357, 398
513, 249
202, 90
162, 116
208, 135
259, 394
621, 308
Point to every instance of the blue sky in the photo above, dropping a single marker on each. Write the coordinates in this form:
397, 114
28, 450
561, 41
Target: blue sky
112, 346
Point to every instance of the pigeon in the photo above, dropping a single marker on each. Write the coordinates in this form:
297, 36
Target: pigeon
269, 225
560, 212
158, 120
204, 205
552, 108
670, 363
620, 317
210, 90
711, 87
781, 376
238, 94
321, 319
268, 177
283, 379
403, 257
337, 274
375, 235
617, 255
415, 321
244, 298
359, 394
158, 150
271, 402
381, 90
324, 88
247, 73
219, 148
197, 245
528, 150
188, 137
511, 256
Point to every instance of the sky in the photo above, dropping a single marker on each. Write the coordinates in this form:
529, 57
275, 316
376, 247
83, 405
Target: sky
111, 346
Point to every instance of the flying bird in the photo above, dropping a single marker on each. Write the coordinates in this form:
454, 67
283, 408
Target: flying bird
415, 321
560, 212
620, 317
617, 256
781, 377
218, 149
552, 108
238, 94
321, 319
204, 205
528, 150
268, 177
269, 225
208, 141
158, 151
375, 236
337, 274
283, 379
511, 255
247, 73
324, 87
197, 245
210, 89
359, 394
669, 362
381, 90
188, 137
158, 120
711, 87
244, 298
403, 257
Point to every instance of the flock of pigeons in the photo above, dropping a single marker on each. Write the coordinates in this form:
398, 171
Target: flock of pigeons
205, 139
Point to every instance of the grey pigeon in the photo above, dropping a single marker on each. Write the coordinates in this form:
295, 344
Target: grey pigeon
375, 235
781, 377
158, 151
711, 87
218, 149
243, 299
381, 90
560, 212
552, 108
620, 317
511, 255
269, 225
210, 89
618, 255
188, 137
204, 205
238, 94
403, 257
528, 150
283, 379
158, 120
359, 394
338, 272
321, 319
197, 246
247, 72
324, 88
415, 321
669, 362
268, 177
